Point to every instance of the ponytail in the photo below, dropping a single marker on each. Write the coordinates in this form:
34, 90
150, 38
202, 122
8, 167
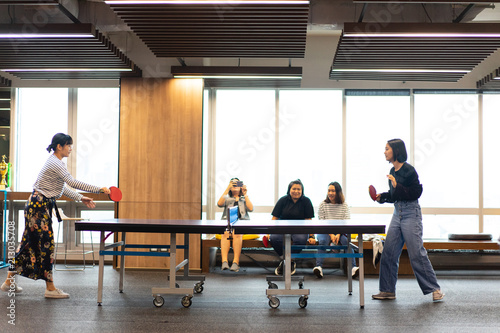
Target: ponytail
59, 139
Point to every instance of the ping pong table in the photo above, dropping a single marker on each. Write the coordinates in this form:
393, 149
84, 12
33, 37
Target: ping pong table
285, 227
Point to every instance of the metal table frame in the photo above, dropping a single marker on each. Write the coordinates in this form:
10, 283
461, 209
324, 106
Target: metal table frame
285, 227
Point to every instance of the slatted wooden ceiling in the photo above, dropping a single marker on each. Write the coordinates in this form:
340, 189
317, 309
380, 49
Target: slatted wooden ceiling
4, 82
445, 59
62, 58
236, 30
491, 81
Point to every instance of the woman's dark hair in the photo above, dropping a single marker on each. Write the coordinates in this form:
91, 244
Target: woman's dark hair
59, 139
295, 182
398, 150
339, 195
230, 193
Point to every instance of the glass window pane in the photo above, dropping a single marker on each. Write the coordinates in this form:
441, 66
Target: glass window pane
439, 226
97, 130
41, 113
491, 157
371, 122
310, 140
95, 236
373, 219
245, 131
446, 154
492, 226
206, 115
20, 225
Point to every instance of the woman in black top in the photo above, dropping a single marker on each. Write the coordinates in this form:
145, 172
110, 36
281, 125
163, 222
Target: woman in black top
405, 227
293, 206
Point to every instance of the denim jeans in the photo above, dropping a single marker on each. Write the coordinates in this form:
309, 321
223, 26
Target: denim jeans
406, 227
277, 242
324, 239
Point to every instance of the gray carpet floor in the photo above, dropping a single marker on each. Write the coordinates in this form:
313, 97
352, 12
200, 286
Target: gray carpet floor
236, 302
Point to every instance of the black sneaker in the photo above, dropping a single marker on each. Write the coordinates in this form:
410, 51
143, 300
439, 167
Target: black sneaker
279, 269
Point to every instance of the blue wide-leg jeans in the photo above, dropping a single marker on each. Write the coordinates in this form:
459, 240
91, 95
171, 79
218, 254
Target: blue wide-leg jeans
406, 227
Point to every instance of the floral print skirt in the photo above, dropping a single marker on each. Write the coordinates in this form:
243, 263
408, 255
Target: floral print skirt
35, 255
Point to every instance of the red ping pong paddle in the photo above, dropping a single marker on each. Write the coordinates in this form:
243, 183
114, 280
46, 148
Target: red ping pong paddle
265, 241
116, 194
373, 192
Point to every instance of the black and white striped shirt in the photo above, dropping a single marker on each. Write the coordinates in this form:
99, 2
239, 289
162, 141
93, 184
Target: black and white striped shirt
52, 178
331, 211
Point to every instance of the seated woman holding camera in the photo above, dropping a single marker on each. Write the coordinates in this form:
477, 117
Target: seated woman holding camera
234, 195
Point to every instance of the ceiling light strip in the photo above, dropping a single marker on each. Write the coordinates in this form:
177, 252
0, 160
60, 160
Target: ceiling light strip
35, 35
14, 70
245, 77
400, 70
207, 2
426, 35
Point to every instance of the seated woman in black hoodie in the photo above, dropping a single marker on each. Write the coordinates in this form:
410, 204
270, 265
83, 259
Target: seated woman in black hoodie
293, 206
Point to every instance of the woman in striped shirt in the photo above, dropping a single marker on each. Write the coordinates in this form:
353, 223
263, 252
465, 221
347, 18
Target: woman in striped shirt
333, 207
35, 255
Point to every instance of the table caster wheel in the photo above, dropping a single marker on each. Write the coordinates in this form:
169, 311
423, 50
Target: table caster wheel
273, 286
303, 301
198, 288
274, 302
186, 301
158, 301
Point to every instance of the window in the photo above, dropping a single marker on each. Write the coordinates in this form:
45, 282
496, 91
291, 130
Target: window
310, 141
95, 236
371, 122
440, 226
446, 149
41, 113
97, 129
491, 156
316, 144
245, 131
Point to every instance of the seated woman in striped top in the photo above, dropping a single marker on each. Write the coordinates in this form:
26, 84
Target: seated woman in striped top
333, 207
35, 255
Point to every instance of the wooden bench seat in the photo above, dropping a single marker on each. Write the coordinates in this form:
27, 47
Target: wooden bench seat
429, 244
404, 266
445, 244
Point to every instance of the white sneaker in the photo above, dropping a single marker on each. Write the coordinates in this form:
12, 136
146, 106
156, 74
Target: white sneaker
318, 271
58, 293
355, 272
6, 287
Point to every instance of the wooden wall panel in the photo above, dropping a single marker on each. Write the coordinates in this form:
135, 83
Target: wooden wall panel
161, 158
